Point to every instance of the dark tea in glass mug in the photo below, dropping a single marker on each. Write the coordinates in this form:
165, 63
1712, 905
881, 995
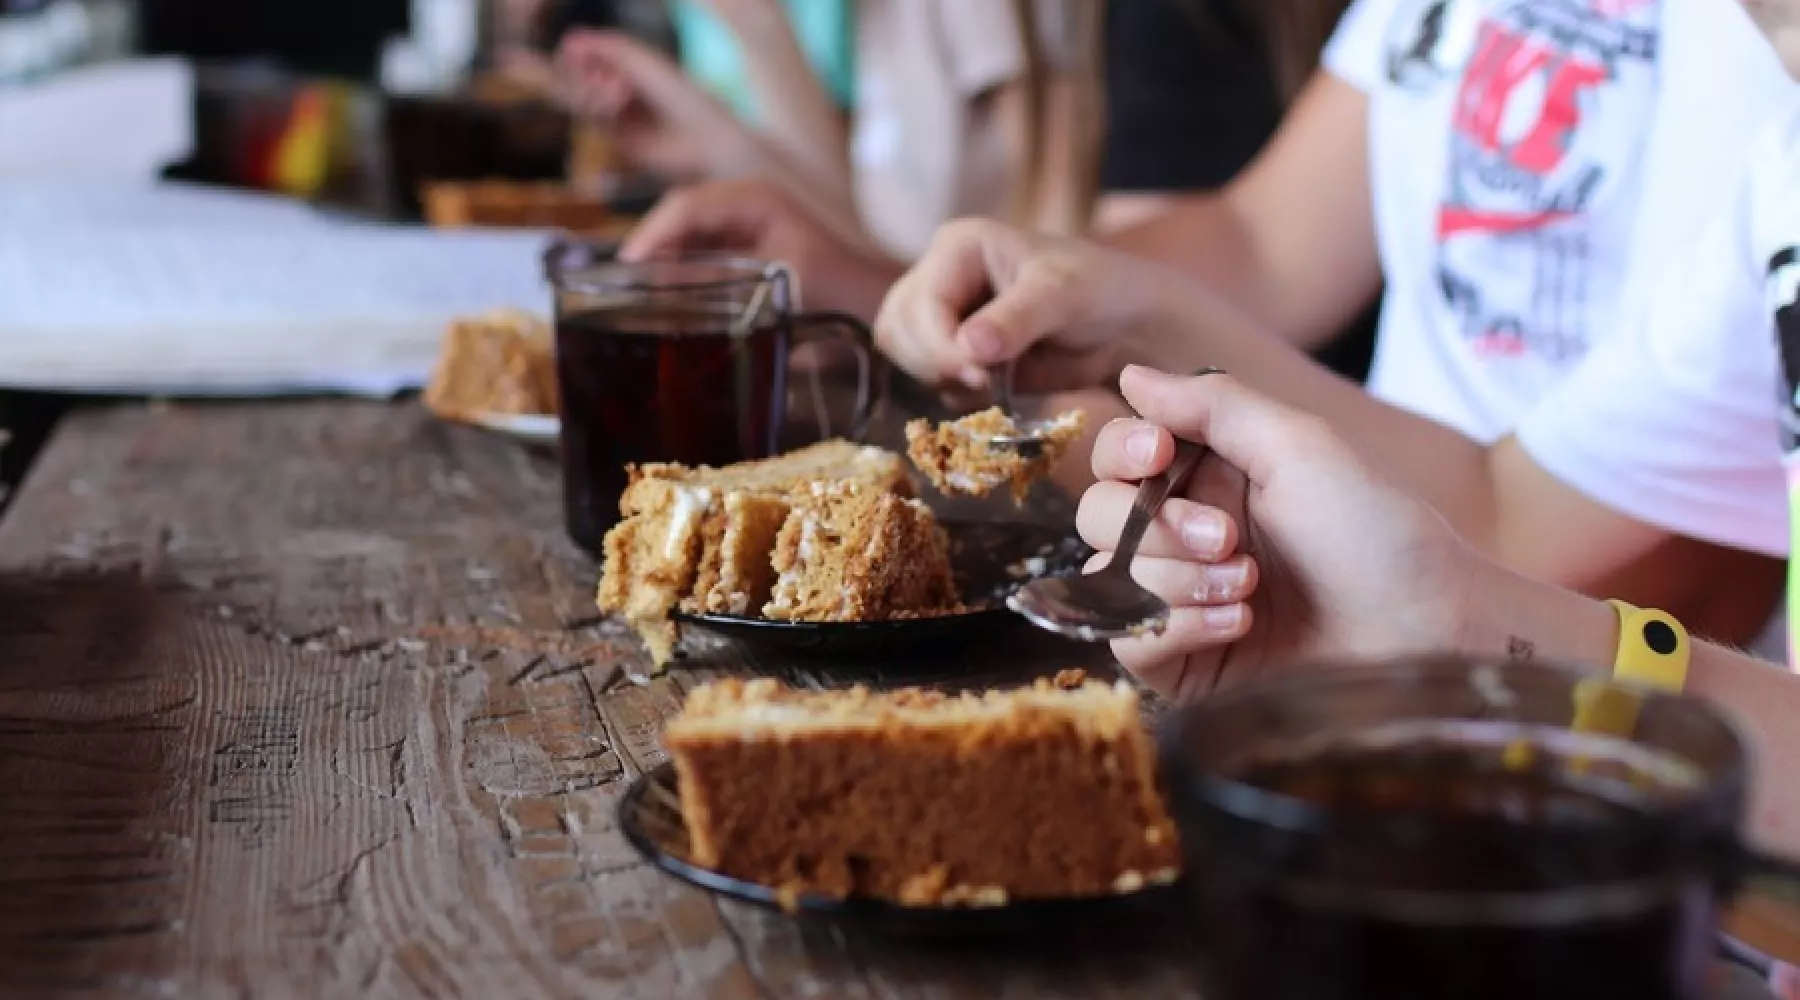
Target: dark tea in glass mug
1437, 828
680, 361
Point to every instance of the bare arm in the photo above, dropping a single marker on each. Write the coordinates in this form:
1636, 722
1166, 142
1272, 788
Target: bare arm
1563, 627
1496, 497
797, 114
1291, 241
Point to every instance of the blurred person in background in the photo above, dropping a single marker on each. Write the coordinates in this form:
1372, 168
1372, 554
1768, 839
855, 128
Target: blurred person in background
960, 106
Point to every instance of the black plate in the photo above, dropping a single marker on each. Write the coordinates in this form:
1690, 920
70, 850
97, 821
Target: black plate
991, 560
650, 816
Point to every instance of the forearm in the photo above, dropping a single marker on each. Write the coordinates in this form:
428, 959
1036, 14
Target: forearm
1518, 618
1207, 238
795, 111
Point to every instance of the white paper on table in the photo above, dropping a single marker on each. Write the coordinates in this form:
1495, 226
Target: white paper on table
125, 120
57, 203
226, 310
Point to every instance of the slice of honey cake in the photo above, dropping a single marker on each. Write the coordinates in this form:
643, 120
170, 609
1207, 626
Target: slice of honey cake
923, 798
694, 534
736, 573
498, 362
957, 455
852, 553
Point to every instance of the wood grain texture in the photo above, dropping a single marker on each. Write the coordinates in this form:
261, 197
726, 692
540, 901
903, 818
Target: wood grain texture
308, 699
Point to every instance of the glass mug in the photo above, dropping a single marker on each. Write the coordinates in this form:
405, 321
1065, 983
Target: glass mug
685, 361
1434, 827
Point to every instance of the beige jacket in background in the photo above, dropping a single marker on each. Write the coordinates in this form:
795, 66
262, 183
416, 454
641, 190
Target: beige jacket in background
922, 151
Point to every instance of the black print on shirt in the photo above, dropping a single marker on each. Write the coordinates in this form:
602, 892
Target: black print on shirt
1784, 298
1515, 254
1417, 36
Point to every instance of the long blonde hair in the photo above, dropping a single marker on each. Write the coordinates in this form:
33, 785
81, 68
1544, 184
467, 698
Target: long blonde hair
1072, 144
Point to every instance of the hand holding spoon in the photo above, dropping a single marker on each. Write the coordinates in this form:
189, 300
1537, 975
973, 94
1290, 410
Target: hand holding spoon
1109, 604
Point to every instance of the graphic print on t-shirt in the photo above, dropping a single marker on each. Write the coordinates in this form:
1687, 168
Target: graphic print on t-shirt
1783, 297
1415, 39
1553, 101
1782, 294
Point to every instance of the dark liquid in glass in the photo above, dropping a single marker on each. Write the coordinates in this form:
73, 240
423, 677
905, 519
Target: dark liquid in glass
650, 382
1268, 941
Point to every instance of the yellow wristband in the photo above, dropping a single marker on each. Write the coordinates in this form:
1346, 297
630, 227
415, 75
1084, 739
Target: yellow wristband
1652, 652
1653, 649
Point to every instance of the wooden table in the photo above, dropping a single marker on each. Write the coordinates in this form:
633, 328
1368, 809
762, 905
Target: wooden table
308, 699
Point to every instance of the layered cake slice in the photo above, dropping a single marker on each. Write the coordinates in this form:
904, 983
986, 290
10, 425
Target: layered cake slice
736, 574
849, 552
923, 798
703, 536
960, 456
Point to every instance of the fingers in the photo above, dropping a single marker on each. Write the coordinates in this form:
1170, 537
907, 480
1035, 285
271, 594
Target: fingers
1130, 450
723, 215
982, 294
1188, 583
1247, 429
1182, 529
1174, 663
1027, 309
596, 86
916, 325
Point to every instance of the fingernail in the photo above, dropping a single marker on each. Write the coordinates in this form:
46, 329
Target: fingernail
1140, 445
1223, 581
1226, 619
1204, 536
974, 377
983, 342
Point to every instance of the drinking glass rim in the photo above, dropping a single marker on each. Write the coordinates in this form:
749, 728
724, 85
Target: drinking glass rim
1232, 796
744, 271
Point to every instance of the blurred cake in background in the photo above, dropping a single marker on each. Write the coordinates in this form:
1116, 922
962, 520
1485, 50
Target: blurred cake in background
521, 205
502, 362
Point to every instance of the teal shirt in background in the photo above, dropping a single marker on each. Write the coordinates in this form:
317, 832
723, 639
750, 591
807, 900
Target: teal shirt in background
710, 53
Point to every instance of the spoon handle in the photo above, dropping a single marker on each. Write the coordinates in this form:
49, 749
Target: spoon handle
1001, 375
1150, 497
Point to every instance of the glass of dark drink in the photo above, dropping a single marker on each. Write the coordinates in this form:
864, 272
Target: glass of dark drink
1442, 827
688, 361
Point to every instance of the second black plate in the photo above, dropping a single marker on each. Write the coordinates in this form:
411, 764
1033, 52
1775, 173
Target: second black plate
650, 817
991, 560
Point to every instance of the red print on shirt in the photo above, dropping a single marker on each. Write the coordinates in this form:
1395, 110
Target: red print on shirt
1514, 244
1503, 61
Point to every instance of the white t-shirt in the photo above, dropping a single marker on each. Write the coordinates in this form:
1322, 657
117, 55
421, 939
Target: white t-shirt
1520, 151
1683, 420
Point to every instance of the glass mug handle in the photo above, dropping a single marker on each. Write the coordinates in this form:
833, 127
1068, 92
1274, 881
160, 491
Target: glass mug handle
871, 374
817, 326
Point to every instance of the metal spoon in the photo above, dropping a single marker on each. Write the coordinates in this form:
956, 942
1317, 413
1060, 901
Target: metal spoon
1028, 436
1110, 604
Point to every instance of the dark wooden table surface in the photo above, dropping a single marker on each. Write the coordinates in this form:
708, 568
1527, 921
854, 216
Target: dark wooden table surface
307, 699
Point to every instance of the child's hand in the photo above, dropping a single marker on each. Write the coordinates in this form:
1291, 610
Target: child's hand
661, 120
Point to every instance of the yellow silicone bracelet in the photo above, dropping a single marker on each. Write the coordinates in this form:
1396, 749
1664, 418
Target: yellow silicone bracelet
1652, 652
1653, 648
